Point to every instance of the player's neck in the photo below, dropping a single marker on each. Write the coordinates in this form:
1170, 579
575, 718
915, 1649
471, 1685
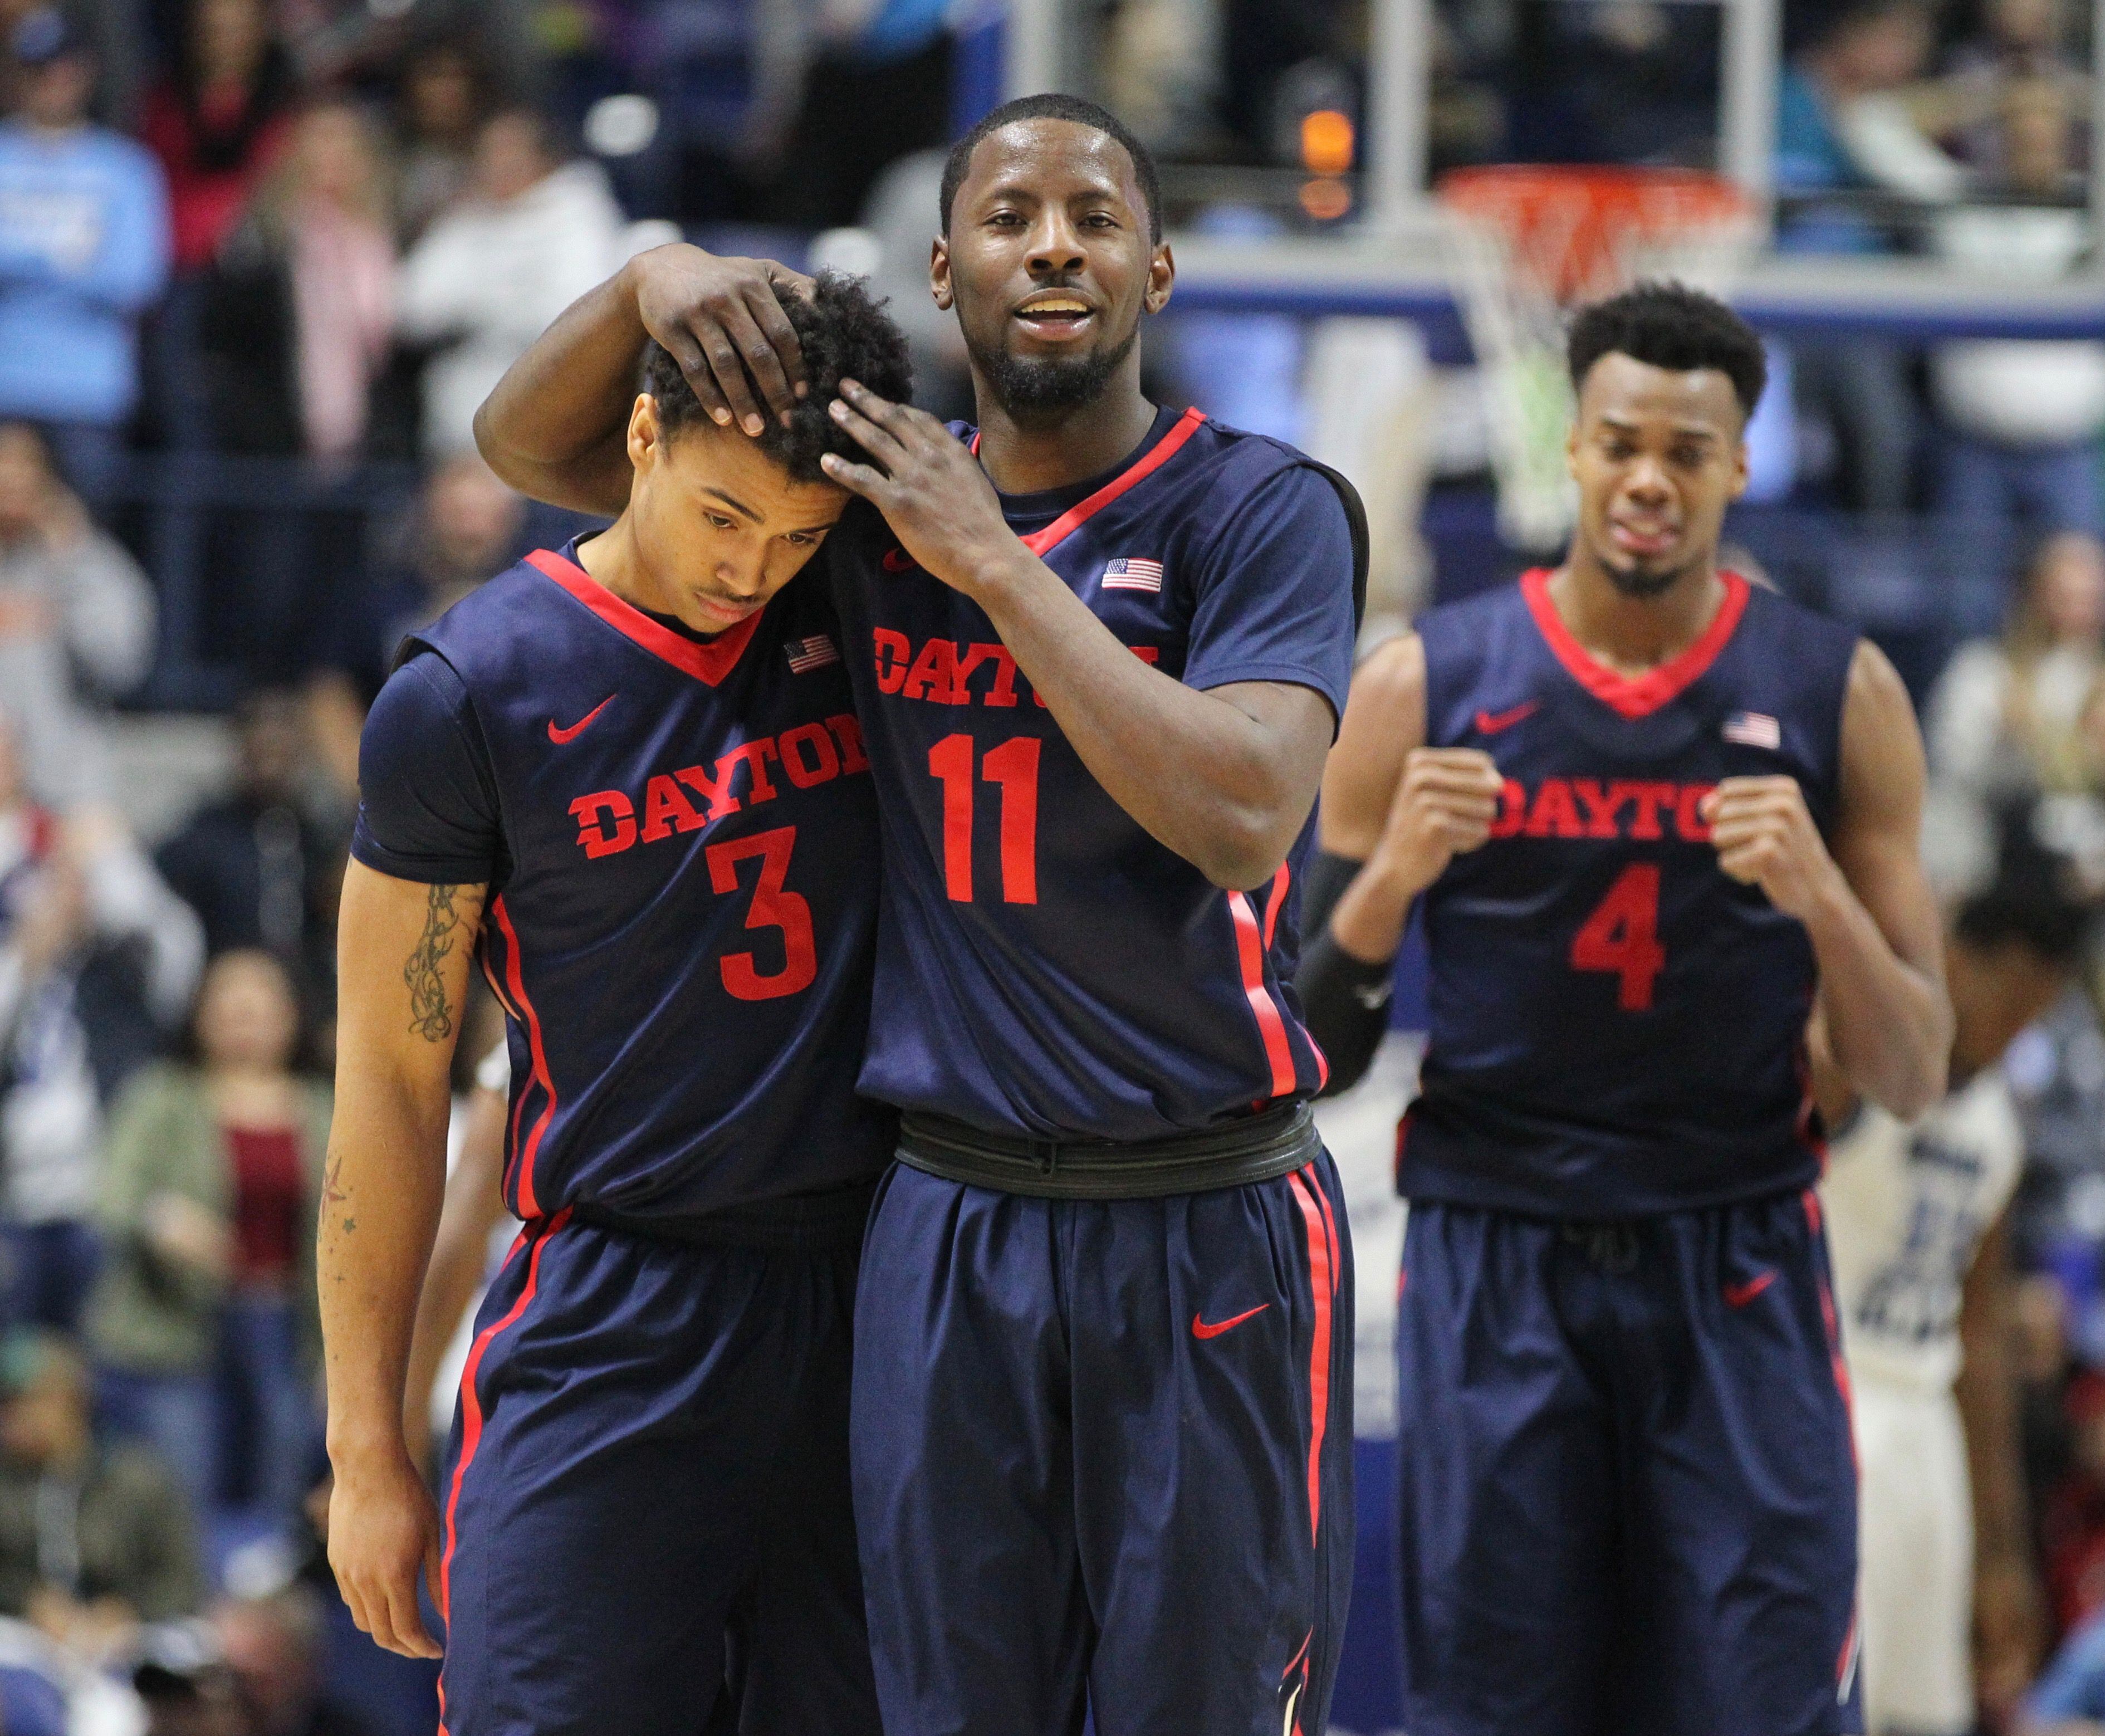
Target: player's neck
1633, 634
611, 559
1030, 453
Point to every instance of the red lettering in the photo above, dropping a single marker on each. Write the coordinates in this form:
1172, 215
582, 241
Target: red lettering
848, 732
1150, 654
1600, 809
774, 906
1621, 937
715, 791
826, 761
1555, 815
666, 811
934, 676
592, 833
1513, 809
1014, 766
1644, 823
756, 754
950, 764
892, 650
1687, 821
1002, 693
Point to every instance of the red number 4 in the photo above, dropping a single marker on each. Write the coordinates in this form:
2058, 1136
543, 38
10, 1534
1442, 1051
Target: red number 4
1621, 937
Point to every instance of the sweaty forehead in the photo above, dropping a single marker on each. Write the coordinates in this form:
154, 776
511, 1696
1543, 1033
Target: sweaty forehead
1053, 159
1621, 387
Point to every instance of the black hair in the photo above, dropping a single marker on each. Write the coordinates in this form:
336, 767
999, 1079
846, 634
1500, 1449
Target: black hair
842, 333
1670, 325
2032, 901
1057, 105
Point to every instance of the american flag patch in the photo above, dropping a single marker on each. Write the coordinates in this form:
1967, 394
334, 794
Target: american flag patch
1133, 575
1754, 729
814, 653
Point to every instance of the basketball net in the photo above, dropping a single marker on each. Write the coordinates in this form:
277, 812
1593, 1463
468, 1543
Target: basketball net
1525, 244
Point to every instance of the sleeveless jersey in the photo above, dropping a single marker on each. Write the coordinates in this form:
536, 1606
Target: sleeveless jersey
1906, 1207
681, 925
1617, 1025
1045, 968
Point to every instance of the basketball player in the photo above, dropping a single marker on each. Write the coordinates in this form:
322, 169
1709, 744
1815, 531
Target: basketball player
1647, 807
626, 779
1102, 1428
1914, 1215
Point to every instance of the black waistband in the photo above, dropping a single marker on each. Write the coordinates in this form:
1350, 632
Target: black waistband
1254, 1148
827, 1220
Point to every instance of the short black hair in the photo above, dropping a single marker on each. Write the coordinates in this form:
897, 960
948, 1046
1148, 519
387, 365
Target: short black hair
1058, 105
843, 334
2033, 901
1670, 325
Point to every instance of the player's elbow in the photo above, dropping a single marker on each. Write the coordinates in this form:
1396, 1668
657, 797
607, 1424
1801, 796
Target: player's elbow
1916, 1082
1243, 851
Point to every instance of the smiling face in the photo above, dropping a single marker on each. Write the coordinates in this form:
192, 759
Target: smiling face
1659, 454
1049, 262
718, 526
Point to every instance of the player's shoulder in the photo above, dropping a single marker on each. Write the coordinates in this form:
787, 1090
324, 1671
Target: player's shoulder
1769, 609
1233, 462
493, 624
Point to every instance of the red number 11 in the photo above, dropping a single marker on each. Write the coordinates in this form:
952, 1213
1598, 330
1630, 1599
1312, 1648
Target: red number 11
1013, 765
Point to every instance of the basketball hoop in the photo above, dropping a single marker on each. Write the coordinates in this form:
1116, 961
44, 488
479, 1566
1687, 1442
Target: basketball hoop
1526, 244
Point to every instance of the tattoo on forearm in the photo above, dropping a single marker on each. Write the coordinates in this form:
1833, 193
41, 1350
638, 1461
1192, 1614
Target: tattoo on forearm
431, 1016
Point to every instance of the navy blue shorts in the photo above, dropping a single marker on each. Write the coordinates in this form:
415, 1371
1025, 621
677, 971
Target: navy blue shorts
1627, 1494
1103, 1456
648, 1523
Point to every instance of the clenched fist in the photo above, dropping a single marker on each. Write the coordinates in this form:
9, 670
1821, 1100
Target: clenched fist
1765, 837
1444, 806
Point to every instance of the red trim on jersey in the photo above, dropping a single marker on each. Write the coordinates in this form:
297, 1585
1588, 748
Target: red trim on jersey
525, 1203
1633, 695
1811, 1202
1322, 1283
1272, 902
1271, 1025
1042, 542
708, 662
470, 1403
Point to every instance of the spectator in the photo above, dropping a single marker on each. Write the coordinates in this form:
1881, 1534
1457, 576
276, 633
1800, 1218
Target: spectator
2022, 42
2022, 714
214, 1180
2024, 415
184, 1684
76, 622
261, 865
218, 124
443, 97
301, 315
273, 1646
97, 958
83, 250
469, 527
534, 233
93, 1539
1840, 132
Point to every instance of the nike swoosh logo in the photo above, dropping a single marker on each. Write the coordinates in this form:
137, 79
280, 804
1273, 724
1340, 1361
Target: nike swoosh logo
898, 561
1202, 1328
1490, 722
561, 737
1739, 1295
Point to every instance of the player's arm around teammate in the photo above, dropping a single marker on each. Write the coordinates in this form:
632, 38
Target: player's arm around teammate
403, 960
1396, 813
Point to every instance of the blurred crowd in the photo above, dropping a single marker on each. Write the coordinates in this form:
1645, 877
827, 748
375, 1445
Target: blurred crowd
305, 237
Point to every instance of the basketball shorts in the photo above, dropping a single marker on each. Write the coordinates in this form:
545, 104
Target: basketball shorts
1103, 1456
647, 1518
1626, 1495
1916, 1535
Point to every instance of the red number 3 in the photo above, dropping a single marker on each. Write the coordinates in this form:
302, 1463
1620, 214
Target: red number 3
774, 906
1622, 936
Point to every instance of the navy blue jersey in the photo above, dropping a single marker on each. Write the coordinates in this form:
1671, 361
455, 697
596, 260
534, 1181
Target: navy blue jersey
680, 838
1044, 966
1617, 1025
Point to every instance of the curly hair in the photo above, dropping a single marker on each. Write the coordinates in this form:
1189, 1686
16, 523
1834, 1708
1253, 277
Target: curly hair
843, 334
1672, 326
